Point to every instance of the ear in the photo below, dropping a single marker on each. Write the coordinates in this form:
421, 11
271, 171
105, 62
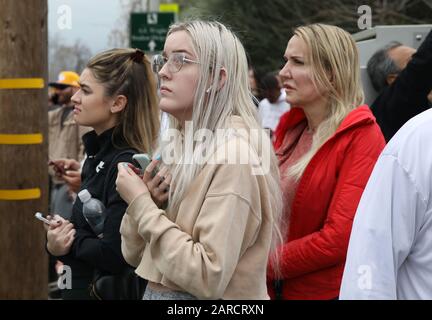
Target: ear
222, 78
390, 78
119, 104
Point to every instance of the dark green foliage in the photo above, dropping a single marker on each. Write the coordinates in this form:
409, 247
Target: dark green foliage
265, 26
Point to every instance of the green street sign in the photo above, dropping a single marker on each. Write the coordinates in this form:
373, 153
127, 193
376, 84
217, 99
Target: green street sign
148, 30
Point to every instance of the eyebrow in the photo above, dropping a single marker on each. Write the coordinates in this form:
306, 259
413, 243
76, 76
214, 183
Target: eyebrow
295, 57
178, 51
83, 85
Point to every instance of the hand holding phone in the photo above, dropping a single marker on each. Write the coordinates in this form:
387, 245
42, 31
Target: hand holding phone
48, 223
58, 168
158, 184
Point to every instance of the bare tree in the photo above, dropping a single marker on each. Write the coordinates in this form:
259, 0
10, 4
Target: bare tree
82, 55
266, 26
428, 3
64, 57
119, 35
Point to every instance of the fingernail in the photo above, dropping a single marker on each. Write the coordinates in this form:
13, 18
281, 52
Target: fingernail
158, 157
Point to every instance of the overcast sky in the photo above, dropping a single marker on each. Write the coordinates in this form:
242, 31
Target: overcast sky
91, 21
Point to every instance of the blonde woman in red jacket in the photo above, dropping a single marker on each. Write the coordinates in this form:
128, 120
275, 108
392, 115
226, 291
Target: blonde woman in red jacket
327, 146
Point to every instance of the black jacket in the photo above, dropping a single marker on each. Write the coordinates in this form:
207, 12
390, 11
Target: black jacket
99, 173
407, 95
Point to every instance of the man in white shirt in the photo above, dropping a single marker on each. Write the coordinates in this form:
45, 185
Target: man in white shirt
390, 249
273, 106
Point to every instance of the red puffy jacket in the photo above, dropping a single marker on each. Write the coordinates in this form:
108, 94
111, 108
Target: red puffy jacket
323, 208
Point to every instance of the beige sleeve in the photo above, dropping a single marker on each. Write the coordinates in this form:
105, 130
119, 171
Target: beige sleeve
132, 244
205, 266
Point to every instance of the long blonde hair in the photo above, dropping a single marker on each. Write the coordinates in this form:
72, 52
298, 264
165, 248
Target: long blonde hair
333, 56
128, 72
215, 47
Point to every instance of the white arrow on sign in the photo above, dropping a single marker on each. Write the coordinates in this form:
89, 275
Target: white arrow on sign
152, 45
152, 18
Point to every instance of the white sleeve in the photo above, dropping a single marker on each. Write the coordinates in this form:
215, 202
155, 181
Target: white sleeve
383, 232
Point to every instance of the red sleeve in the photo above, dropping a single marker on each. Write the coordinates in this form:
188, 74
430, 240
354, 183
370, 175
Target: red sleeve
328, 246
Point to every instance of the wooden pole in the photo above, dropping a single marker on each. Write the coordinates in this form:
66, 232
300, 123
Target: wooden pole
23, 148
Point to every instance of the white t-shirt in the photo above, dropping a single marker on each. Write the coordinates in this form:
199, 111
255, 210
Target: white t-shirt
270, 113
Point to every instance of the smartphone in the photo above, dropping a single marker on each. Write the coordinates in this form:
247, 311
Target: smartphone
41, 217
142, 159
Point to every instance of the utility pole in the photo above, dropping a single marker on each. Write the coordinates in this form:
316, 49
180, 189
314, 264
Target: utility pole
23, 148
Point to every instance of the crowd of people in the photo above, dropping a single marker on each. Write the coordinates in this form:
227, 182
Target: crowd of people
294, 196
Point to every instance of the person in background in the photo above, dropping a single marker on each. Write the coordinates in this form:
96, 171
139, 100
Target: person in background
253, 84
273, 106
402, 77
327, 145
52, 99
390, 249
71, 174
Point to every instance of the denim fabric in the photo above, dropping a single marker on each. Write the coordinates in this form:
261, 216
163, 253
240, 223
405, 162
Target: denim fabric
150, 294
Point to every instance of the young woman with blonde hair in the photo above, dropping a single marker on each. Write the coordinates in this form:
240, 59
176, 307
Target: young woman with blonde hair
212, 239
117, 98
327, 145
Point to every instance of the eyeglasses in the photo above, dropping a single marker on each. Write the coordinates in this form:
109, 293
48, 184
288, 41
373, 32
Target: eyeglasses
175, 62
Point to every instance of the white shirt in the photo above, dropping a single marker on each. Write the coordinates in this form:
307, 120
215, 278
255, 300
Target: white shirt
270, 113
390, 250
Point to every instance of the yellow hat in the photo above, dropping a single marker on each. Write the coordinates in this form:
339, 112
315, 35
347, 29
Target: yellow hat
65, 79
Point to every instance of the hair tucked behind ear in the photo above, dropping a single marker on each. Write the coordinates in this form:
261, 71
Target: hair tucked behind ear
128, 72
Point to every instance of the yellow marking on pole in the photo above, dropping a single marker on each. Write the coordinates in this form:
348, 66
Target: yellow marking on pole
36, 138
24, 194
22, 83
169, 7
